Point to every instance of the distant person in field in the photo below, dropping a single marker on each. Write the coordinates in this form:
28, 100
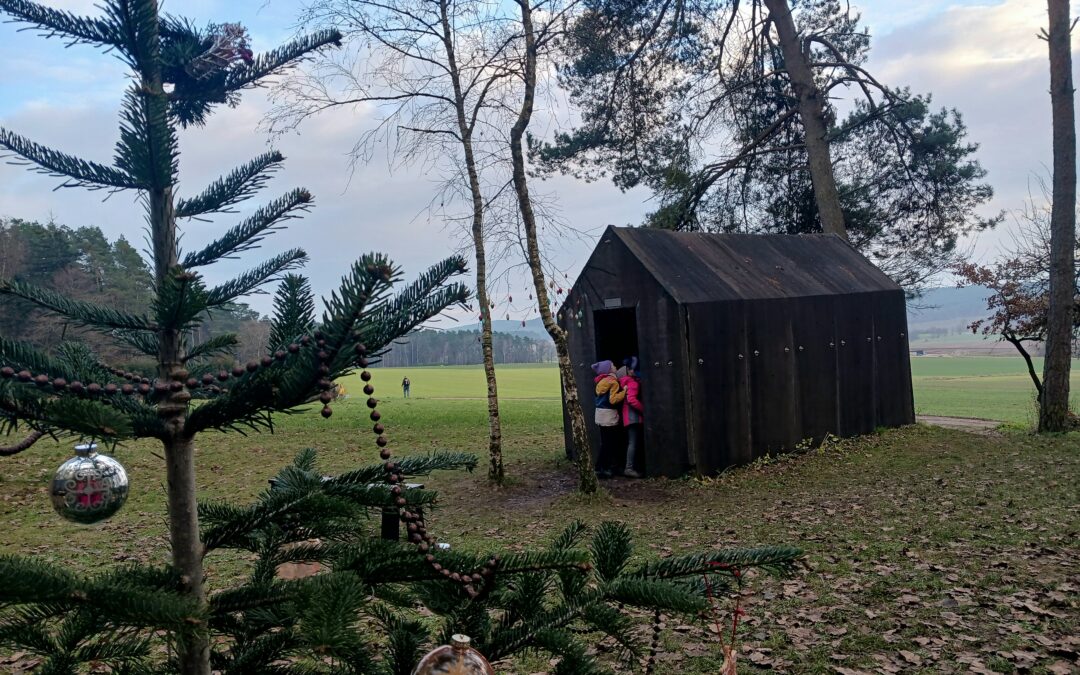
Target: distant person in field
633, 414
405, 387
609, 396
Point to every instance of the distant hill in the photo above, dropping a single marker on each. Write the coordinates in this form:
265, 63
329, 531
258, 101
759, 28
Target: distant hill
940, 320
948, 305
939, 312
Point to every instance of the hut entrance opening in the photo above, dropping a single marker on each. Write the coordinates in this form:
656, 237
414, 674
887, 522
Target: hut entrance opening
616, 334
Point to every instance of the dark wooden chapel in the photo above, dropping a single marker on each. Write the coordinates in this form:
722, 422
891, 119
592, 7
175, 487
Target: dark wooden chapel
749, 344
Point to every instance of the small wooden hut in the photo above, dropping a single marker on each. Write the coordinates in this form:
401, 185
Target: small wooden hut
749, 344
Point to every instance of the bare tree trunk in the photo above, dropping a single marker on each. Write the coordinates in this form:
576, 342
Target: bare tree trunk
811, 108
1054, 411
187, 548
184, 542
465, 129
586, 476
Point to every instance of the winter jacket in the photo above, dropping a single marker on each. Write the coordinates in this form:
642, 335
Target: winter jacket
633, 410
608, 398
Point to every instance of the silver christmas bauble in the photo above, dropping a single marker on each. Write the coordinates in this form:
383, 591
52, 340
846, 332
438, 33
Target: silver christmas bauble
89, 488
457, 658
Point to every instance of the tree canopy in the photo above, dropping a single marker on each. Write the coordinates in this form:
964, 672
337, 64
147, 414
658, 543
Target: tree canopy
695, 101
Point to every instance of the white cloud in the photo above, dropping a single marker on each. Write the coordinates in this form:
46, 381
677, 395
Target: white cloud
987, 62
883, 16
375, 210
984, 60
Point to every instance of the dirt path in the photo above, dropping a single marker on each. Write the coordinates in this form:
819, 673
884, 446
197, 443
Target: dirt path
969, 424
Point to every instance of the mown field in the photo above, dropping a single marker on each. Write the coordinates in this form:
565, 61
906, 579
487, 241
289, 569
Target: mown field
928, 550
996, 388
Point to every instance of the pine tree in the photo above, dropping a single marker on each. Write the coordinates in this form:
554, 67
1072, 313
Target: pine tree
360, 614
178, 74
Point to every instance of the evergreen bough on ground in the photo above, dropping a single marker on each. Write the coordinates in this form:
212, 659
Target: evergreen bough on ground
376, 606
359, 615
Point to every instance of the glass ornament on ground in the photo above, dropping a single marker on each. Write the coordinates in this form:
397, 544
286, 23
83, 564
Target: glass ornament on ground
457, 658
89, 487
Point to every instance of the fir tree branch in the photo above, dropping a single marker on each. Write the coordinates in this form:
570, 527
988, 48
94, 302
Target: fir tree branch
29, 632
537, 561
420, 301
251, 231
413, 465
51, 412
82, 313
21, 403
24, 444
509, 640
570, 536
220, 344
653, 595
263, 655
231, 189
365, 286
23, 356
147, 148
138, 27
58, 23
279, 59
26, 580
611, 549
181, 298
247, 597
272, 508
599, 616
88, 418
81, 363
114, 650
144, 342
77, 172
778, 559
250, 281
294, 312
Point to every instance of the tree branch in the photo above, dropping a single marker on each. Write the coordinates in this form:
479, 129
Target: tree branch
24, 444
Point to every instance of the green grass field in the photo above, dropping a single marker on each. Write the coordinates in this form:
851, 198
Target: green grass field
990, 387
951, 547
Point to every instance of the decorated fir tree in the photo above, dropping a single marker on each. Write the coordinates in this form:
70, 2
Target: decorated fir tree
360, 614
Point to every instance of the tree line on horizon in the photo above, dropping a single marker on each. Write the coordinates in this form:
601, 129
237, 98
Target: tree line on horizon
463, 348
83, 264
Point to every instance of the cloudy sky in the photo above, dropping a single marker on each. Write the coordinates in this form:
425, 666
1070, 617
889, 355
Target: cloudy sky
981, 57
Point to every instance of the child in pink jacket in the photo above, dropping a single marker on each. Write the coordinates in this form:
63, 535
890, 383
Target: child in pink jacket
633, 414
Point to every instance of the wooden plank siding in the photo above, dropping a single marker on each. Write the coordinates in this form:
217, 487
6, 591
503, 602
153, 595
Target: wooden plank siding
748, 344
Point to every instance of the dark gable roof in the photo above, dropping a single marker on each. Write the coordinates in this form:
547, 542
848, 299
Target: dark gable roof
706, 267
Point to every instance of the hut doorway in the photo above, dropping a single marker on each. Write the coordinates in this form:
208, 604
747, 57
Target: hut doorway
616, 334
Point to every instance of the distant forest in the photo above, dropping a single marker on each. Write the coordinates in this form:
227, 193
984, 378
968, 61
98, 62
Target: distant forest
84, 265
462, 348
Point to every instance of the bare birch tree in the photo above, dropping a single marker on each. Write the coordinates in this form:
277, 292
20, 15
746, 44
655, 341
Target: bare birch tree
434, 71
536, 40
